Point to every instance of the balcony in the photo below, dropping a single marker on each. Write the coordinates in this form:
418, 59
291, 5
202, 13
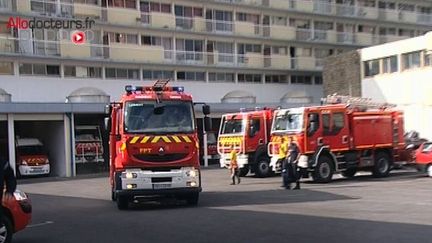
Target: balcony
197, 24
7, 43
219, 26
123, 16
246, 28
279, 32
136, 53
365, 39
71, 50
324, 36
85, 10
305, 63
304, 34
277, 61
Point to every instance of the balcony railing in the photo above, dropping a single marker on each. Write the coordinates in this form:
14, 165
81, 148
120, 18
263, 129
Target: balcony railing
152, 54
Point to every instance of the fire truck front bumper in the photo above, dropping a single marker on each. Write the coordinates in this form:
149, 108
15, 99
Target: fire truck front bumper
276, 167
242, 160
138, 182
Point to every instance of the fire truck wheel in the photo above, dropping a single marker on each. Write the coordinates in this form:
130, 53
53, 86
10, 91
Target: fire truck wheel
192, 199
349, 173
324, 170
382, 165
122, 202
244, 171
262, 168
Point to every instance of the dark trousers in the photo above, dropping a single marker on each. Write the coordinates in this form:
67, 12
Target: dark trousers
235, 174
290, 174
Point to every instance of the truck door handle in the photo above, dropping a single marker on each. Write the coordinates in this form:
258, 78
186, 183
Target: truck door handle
320, 141
345, 139
260, 141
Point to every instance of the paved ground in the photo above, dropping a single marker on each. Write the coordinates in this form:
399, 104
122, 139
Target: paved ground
394, 209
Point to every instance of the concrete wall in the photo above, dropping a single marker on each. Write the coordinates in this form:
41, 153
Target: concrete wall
342, 74
56, 90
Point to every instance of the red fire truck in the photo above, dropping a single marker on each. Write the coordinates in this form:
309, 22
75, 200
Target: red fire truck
154, 149
346, 134
249, 133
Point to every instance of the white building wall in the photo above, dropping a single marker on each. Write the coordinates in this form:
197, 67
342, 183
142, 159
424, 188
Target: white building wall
47, 89
410, 89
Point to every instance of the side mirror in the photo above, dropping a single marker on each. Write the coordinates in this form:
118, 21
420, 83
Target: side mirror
108, 109
207, 124
206, 110
107, 124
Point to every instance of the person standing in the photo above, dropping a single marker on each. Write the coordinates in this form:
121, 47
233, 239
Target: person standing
233, 167
292, 170
283, 150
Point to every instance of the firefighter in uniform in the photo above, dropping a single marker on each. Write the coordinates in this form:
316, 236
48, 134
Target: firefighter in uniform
283, 150
233, 167
293, 174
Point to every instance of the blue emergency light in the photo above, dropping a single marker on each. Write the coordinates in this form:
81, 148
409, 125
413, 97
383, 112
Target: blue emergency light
131, 88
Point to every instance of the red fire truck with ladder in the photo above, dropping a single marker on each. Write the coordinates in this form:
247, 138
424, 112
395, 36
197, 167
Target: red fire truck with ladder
345, 134
154, 148
249, 133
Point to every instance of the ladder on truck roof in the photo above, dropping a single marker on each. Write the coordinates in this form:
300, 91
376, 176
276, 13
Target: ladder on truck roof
160, 84
355, 102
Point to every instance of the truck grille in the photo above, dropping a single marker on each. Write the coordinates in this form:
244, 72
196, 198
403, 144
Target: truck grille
160, 158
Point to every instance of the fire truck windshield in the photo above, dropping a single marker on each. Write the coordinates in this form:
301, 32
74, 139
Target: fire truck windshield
171, 117
288, 122
31, 150
232, 126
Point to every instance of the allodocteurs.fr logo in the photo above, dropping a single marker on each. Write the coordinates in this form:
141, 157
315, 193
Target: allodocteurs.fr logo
77, 28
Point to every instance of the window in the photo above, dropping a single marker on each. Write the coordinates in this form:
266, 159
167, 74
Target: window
428, 59
123, 38
191, 76
406, 7
281, 21
39, 69
338, 122
245, 17
318, 80
94, 2
249, 78
411, 60
326, 124
188, 12
155, 7
3, 28
245, 48
122, 3
371, 68
157, 74
119, 73
221, 77
300, 79
6, 68
390, 64
276, 79
255, 126
82, 72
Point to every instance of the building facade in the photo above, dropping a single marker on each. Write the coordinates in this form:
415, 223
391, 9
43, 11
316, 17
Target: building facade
228, 53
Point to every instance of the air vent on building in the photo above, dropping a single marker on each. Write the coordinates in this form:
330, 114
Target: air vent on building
239, 96
5, 96
88, 95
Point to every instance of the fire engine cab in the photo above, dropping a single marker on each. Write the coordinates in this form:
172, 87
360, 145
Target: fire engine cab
247, 132
154, 144
345, 134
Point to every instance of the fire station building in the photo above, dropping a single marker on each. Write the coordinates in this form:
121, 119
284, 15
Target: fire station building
229, 54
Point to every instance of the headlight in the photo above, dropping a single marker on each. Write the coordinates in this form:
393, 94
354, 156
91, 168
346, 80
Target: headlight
191, 172
131, 175
24, 162
20, 195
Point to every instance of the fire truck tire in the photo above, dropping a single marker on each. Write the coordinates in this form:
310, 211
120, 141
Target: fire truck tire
262, 167
349, 173
192, 199
324, 170
122, 202
244, 171
382, 165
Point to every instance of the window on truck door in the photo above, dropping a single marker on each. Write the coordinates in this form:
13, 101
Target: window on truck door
255, 126
313, 123
333, 124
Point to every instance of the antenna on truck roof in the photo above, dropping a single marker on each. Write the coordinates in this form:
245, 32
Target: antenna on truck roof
355, 102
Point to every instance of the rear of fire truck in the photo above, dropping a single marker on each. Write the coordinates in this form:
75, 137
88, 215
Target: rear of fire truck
154, 145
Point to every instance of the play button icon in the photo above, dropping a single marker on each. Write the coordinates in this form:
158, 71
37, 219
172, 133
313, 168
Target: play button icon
78, 37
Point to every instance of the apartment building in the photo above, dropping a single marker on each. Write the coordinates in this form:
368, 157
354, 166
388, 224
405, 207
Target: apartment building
217, 49
228, 53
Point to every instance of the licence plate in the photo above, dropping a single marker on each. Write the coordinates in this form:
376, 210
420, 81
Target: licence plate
36, 171
161, 186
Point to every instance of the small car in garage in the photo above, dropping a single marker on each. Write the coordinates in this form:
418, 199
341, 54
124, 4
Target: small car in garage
18, 212
423, 158
32, 159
